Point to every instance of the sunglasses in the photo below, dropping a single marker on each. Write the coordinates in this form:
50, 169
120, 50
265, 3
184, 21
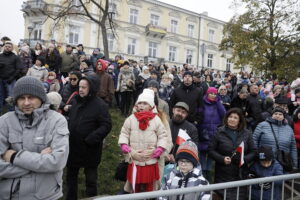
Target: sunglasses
73, 79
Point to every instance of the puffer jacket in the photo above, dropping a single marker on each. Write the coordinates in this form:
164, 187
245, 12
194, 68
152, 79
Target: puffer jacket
33, 175
259, 171
153, 136
126, 80
175, 179
213, 113
10, 66
286, 140
40, 73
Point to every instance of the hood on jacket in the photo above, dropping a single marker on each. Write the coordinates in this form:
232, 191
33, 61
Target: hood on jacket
103, 63
94, 83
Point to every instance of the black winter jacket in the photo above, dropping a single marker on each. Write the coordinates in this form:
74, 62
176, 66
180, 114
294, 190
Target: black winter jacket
222, 145
255, 107
89, 124
54, 61
10, 66
66, 92
193, 97
190, 129
237, 102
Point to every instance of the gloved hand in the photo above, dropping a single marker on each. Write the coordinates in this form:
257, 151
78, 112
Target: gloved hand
266, 186
236, 158
157, 152
125, 148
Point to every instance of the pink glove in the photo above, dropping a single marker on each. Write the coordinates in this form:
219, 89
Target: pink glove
157, 152
125, 148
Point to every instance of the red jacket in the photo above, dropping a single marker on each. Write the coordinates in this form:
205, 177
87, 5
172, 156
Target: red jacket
297, 133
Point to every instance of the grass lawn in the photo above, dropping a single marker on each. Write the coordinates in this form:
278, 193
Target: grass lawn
111, 156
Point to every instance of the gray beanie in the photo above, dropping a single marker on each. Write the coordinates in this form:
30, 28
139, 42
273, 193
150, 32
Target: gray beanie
29, 85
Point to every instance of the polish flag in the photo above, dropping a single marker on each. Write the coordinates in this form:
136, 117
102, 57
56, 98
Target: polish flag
182, 137
240, 149
134, 172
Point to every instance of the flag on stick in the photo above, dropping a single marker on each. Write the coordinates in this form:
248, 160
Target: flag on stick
240, 149
134, 172
182, 137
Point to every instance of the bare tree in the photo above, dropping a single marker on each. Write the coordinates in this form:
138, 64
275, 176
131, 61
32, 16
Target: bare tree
82, 8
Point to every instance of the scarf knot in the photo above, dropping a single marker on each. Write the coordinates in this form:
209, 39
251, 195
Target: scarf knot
144, 118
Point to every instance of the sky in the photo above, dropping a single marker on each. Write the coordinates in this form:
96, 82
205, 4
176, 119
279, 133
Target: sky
12, 22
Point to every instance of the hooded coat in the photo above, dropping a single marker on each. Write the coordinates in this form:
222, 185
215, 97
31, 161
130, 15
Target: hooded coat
106, 88
213, 113
89, 124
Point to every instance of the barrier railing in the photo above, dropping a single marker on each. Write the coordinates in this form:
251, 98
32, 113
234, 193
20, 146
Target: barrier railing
288, 183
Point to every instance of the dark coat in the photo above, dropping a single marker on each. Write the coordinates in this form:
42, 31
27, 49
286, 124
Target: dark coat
237, 102
255, 108
89, 124
222, 145
66, 92
213, 113
190, 129
193, 97
10, 66
54, 61
259, 171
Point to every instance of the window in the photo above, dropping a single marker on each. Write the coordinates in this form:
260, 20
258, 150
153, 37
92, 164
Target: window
211, 34
174, 24
189, 56
37, 31
172, 53
228, 64
190, 30
131, 46
210, 60
133, 16
154, 19
110, 38
74, 34
152, 49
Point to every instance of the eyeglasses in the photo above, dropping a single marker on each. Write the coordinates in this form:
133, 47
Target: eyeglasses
73, 79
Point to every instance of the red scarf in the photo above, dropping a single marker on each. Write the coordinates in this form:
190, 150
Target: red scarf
144, 118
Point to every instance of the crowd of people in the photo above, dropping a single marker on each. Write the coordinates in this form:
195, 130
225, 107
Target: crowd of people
59, 97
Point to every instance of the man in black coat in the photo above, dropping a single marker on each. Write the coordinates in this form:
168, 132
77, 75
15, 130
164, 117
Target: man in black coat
255, 107
89, 124
10, 67
179, 123
191, 95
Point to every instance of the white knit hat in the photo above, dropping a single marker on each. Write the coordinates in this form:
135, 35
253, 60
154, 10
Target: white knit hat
147, 96
54, 99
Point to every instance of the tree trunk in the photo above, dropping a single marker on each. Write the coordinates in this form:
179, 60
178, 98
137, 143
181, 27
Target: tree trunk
104, 40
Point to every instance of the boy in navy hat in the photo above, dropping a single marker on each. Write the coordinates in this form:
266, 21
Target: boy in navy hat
266, 166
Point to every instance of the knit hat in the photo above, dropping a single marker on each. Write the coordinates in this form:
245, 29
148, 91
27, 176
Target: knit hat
54, 99
265, 153
276, 87
278, 109
187, 73
154, 84
41, 59
188, 150
171, 77
111, 67
146, 96
212, 90
145, 68
29, 85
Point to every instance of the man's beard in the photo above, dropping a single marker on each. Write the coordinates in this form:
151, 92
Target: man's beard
177, 119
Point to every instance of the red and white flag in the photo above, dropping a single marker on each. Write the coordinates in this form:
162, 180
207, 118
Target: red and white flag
182, 137
134, 172
240, 149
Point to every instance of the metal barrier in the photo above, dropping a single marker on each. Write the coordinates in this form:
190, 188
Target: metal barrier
288, 183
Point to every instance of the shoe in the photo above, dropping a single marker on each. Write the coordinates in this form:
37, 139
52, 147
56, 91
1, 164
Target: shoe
122, 192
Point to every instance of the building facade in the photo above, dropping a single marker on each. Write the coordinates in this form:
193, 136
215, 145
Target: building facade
147, 30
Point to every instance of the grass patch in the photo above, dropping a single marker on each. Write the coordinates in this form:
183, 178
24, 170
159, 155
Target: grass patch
111, 156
